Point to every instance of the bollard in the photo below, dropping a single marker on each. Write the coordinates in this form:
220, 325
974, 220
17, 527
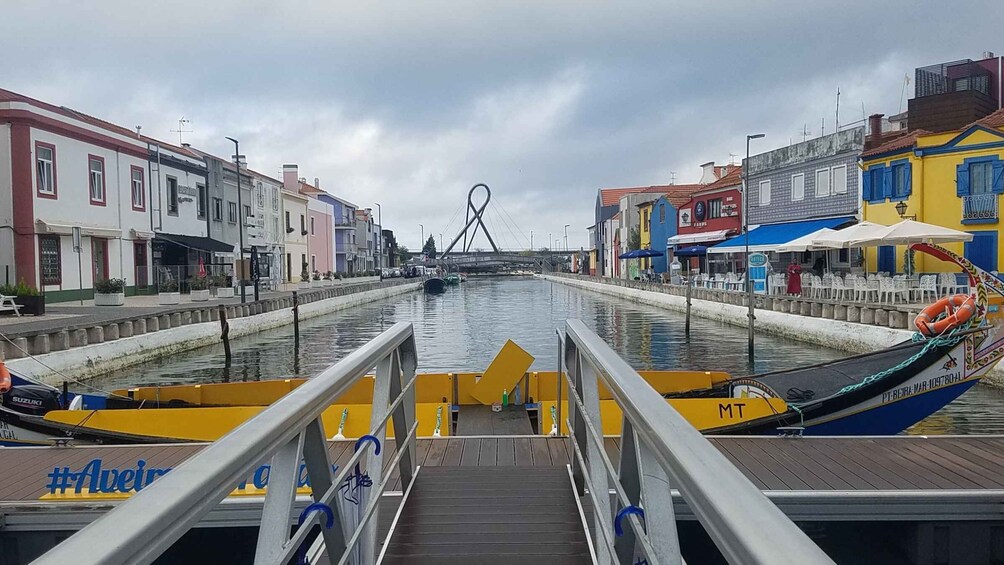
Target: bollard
165, 322
853, 313
95, 334
687, 327
139, 326
827, 311
881, 317
39, 344
840, 312
78, 338
58, 341
16, 348
296, 319
111, 332
225, 333
125, 328
867, 315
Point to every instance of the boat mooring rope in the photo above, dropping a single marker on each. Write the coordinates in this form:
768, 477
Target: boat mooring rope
950, 339
108, 393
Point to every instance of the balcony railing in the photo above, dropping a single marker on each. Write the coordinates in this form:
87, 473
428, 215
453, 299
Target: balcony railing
979, 208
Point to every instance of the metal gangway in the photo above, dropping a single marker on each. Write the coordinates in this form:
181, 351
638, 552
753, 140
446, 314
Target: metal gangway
630, 506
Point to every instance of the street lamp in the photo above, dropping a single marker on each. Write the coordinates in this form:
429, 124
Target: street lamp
901, 210
746, 230
240, 222
566, 236
531, 240
379, 238
421, 247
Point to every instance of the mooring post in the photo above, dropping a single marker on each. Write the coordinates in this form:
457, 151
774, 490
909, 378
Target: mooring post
225, 333
686, 329
296, 320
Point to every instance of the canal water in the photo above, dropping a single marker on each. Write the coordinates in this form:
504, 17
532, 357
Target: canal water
464, 328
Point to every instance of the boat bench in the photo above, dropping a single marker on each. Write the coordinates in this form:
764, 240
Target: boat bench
7, 304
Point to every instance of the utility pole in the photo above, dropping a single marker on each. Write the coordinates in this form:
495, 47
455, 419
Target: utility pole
746, 230
531, 240
240, 211
379, 238
566, 236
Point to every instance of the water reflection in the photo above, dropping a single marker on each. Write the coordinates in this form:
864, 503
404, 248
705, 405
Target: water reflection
462, 330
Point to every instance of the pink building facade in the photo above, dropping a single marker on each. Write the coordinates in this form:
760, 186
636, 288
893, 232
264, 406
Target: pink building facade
320, 236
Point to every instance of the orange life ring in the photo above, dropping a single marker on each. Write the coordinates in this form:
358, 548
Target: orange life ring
946, 314
5, 383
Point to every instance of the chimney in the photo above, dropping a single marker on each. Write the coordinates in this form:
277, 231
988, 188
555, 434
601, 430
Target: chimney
186, 145
708, 176
874, 131
289, 176
317, 182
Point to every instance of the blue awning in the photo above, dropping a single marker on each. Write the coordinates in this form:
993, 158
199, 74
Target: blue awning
692, 251
769, 237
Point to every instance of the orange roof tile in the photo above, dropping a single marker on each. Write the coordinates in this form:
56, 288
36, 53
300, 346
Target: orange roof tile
611, 196
899, 142
733, 177
994, 120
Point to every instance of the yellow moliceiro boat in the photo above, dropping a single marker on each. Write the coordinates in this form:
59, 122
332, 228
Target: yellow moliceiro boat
205, 412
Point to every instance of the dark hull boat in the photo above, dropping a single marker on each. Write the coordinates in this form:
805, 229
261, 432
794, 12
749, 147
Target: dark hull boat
435, 285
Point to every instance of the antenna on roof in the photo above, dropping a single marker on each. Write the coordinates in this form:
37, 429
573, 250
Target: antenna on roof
822, 127
181, 129
837, 117
137, 130
732, 158
902, 93
672, 177
805, 131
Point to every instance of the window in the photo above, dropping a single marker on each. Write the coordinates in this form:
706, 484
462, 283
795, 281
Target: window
49, 262
45, 169
839, 179
644, 220
247, 212
798, 186
303, 225
714, 208
313, 262
764, 192
822, 182
288, 227
138, 188
172, 196
232, 212
275, 199
261, 195
275, 225
201, 209
900, 181
981, 177
662, 213
875, 175
96, 179
218, 209
312, 226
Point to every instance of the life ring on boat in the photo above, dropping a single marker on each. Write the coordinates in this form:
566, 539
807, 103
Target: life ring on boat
945, 315
5, 382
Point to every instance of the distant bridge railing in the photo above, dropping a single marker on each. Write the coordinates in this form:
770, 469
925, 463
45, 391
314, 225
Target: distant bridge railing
660, 450
288, 431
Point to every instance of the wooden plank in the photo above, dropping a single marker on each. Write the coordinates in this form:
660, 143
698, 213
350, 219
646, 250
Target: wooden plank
948, 463
524, 455
765, 476
506, 452
489, 452
780, 465
892, 458
541, 455
472, 451
858, 469
973, 460
826, 475
454, 450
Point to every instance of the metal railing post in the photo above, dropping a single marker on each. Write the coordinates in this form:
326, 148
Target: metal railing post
319, 470
657, 501
577, 431
628, 475
588, 389
277, 511
388, 370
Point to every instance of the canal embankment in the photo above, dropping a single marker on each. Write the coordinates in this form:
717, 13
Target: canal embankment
851, 328
101, 340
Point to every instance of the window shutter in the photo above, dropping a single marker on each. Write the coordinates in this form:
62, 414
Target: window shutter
909, 179
886, 182
866, 186
998, 186
962, 180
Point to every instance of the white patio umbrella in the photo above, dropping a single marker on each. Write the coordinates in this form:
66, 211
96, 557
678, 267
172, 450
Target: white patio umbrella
842, 239
910, 231
806, 242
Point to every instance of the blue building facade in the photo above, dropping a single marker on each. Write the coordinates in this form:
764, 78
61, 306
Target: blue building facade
663, 225
344, 218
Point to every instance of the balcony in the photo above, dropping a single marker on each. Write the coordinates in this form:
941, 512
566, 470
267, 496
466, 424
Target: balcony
979, 209
345, 223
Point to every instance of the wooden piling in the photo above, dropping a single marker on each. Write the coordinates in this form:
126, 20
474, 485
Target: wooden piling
687, 326
225, 333
296, 320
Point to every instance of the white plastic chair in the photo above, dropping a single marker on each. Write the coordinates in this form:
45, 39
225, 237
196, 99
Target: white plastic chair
838, 289
901, 288
886, 289
949, 284
928, 285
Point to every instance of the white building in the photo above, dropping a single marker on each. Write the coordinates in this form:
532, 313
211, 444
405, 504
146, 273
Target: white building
60, 169
268, 233
294, 222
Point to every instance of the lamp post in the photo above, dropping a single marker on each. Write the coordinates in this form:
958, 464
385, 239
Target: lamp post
379, 239
908, 255
531, 240
566, 236
746, 231
240, 210
421, 247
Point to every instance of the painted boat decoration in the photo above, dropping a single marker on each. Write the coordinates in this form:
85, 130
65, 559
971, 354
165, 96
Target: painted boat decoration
878, 393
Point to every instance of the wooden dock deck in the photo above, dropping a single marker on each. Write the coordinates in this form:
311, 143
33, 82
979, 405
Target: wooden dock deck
884, 478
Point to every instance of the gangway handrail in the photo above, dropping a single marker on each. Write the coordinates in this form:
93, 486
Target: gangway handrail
661, 450
143, 527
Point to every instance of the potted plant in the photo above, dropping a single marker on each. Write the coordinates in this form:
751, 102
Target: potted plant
304, 277
168, 293
248, 287
328, 279
223, 287
200, 289
317, 279
27, 297
109, 292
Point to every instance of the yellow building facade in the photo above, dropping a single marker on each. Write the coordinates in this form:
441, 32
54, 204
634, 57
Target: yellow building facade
951, 179
645, 221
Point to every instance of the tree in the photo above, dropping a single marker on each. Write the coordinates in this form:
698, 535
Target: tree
403, 254
634, 240
429, 248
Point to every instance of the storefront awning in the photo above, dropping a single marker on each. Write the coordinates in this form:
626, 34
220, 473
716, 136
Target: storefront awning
692, 251
769, 237
703, 237
44, 227
196, 242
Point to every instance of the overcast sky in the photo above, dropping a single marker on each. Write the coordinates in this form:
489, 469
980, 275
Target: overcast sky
411, 103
